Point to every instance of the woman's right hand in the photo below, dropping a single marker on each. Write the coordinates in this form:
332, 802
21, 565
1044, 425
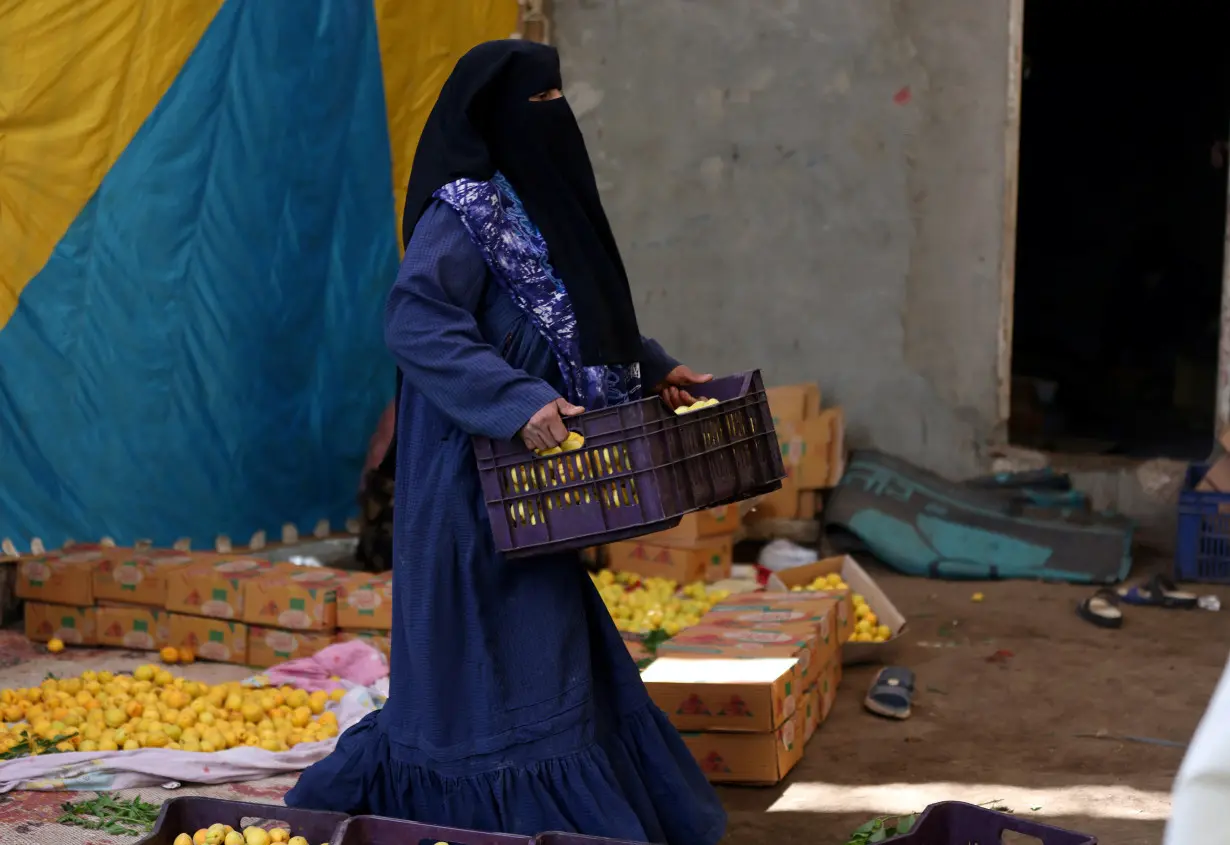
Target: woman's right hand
546, 428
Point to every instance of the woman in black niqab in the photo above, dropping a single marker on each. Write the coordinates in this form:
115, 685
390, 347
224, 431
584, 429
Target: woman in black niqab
485, 121
513, 703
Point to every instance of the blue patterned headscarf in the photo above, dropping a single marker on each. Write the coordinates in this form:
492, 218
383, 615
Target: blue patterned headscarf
517, 255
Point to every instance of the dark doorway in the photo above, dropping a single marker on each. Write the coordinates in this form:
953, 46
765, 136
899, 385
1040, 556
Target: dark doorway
1125, 111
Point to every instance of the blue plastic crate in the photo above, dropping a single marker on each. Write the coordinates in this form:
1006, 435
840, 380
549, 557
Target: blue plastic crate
1202, 545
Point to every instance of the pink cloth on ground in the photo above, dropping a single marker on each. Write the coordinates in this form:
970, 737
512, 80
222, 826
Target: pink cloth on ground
354, 661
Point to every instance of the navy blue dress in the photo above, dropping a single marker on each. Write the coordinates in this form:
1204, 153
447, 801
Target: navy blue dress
514, 705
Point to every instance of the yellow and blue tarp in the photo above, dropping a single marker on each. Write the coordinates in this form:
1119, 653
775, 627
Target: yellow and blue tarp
199, 221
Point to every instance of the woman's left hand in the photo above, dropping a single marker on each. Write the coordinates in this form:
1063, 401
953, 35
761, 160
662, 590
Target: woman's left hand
674, 389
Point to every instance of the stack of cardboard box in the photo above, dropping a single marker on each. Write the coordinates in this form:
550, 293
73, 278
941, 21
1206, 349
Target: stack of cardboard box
223, 607
206, 603
58, 589
365, 612
699, 548
130, 587
291, 612
812, 441
751, 683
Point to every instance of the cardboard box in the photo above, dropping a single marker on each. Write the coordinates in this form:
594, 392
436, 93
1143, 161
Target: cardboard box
733, 694
706, 560
140, 577
210, 639
863, 584
379, 640
716, 641
299, 598
701, 525
1217, 479
815, 449
271, 646
835, 418
782, 503
809, 504
752, 758
769, 602
71, 625
811, 712
213, 587
366, 603
793, 403
133, 626
830, 614
62, 578
820, 697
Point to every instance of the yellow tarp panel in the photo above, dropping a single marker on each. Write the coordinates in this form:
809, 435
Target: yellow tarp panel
79, 78
420, 41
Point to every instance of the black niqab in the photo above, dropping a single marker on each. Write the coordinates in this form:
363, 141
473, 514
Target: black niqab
484, 121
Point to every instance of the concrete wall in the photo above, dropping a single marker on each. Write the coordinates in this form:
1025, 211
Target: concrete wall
815, 188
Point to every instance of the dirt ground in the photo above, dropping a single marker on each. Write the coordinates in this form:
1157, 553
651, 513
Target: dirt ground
1011, 721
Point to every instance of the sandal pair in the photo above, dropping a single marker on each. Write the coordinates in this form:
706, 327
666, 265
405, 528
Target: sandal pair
1159, 591
1102, 608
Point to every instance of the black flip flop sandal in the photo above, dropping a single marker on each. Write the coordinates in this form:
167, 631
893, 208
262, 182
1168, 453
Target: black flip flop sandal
1160, 591
891, 693
1102, 609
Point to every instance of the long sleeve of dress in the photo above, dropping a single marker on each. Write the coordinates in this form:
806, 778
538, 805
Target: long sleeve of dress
431, 330
655, 363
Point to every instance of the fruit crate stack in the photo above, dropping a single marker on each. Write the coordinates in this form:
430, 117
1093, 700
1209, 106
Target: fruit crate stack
238, 609
58, 590
699, 548
812, 442
365, 612
231, 608
751, 684
98, 595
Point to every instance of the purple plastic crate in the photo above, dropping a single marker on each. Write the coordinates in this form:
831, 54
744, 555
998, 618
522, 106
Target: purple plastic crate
955, 823
189, 814
377, 830
641, 469
577, 839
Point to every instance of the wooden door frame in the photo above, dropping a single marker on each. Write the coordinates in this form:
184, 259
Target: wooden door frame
1222, 416
1007, 255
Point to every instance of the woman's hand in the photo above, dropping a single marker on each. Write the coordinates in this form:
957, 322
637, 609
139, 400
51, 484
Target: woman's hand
546, 428
673, 389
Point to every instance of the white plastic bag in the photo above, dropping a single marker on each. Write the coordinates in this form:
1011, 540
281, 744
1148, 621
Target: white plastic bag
783, 554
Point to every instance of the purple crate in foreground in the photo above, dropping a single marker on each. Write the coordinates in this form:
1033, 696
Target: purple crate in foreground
377, 830
190, 814
577, 839
641, 469
955, 823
